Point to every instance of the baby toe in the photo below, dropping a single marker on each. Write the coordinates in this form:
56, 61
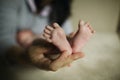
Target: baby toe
92, 30
49, 28
81, 23
56, 25
47, 31
46, 35
87, 24
49, 40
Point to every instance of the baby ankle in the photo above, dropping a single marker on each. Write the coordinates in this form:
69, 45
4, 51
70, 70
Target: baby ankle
75, 50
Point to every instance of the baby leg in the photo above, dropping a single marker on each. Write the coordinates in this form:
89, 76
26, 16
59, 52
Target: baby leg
56, 35
82, 36
25, 38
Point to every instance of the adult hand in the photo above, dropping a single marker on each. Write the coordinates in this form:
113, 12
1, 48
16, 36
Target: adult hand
38, 59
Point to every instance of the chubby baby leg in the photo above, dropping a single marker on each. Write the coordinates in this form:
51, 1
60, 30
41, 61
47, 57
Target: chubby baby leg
82, 36
55, 34
25, 37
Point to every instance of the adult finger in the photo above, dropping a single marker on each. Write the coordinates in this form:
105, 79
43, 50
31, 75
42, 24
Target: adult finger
76, 56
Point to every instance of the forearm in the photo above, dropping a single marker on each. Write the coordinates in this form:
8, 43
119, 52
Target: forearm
35, 56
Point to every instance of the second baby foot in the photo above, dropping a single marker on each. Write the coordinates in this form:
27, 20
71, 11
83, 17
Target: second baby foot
82, 36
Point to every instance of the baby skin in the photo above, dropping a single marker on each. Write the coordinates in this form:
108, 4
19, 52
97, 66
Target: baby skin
82, 36
54, 35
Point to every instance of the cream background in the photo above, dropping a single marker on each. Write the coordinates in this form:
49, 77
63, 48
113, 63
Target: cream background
102, 60
102, 14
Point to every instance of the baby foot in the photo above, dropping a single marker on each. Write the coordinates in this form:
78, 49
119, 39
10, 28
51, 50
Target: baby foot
56, 35
81, 37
